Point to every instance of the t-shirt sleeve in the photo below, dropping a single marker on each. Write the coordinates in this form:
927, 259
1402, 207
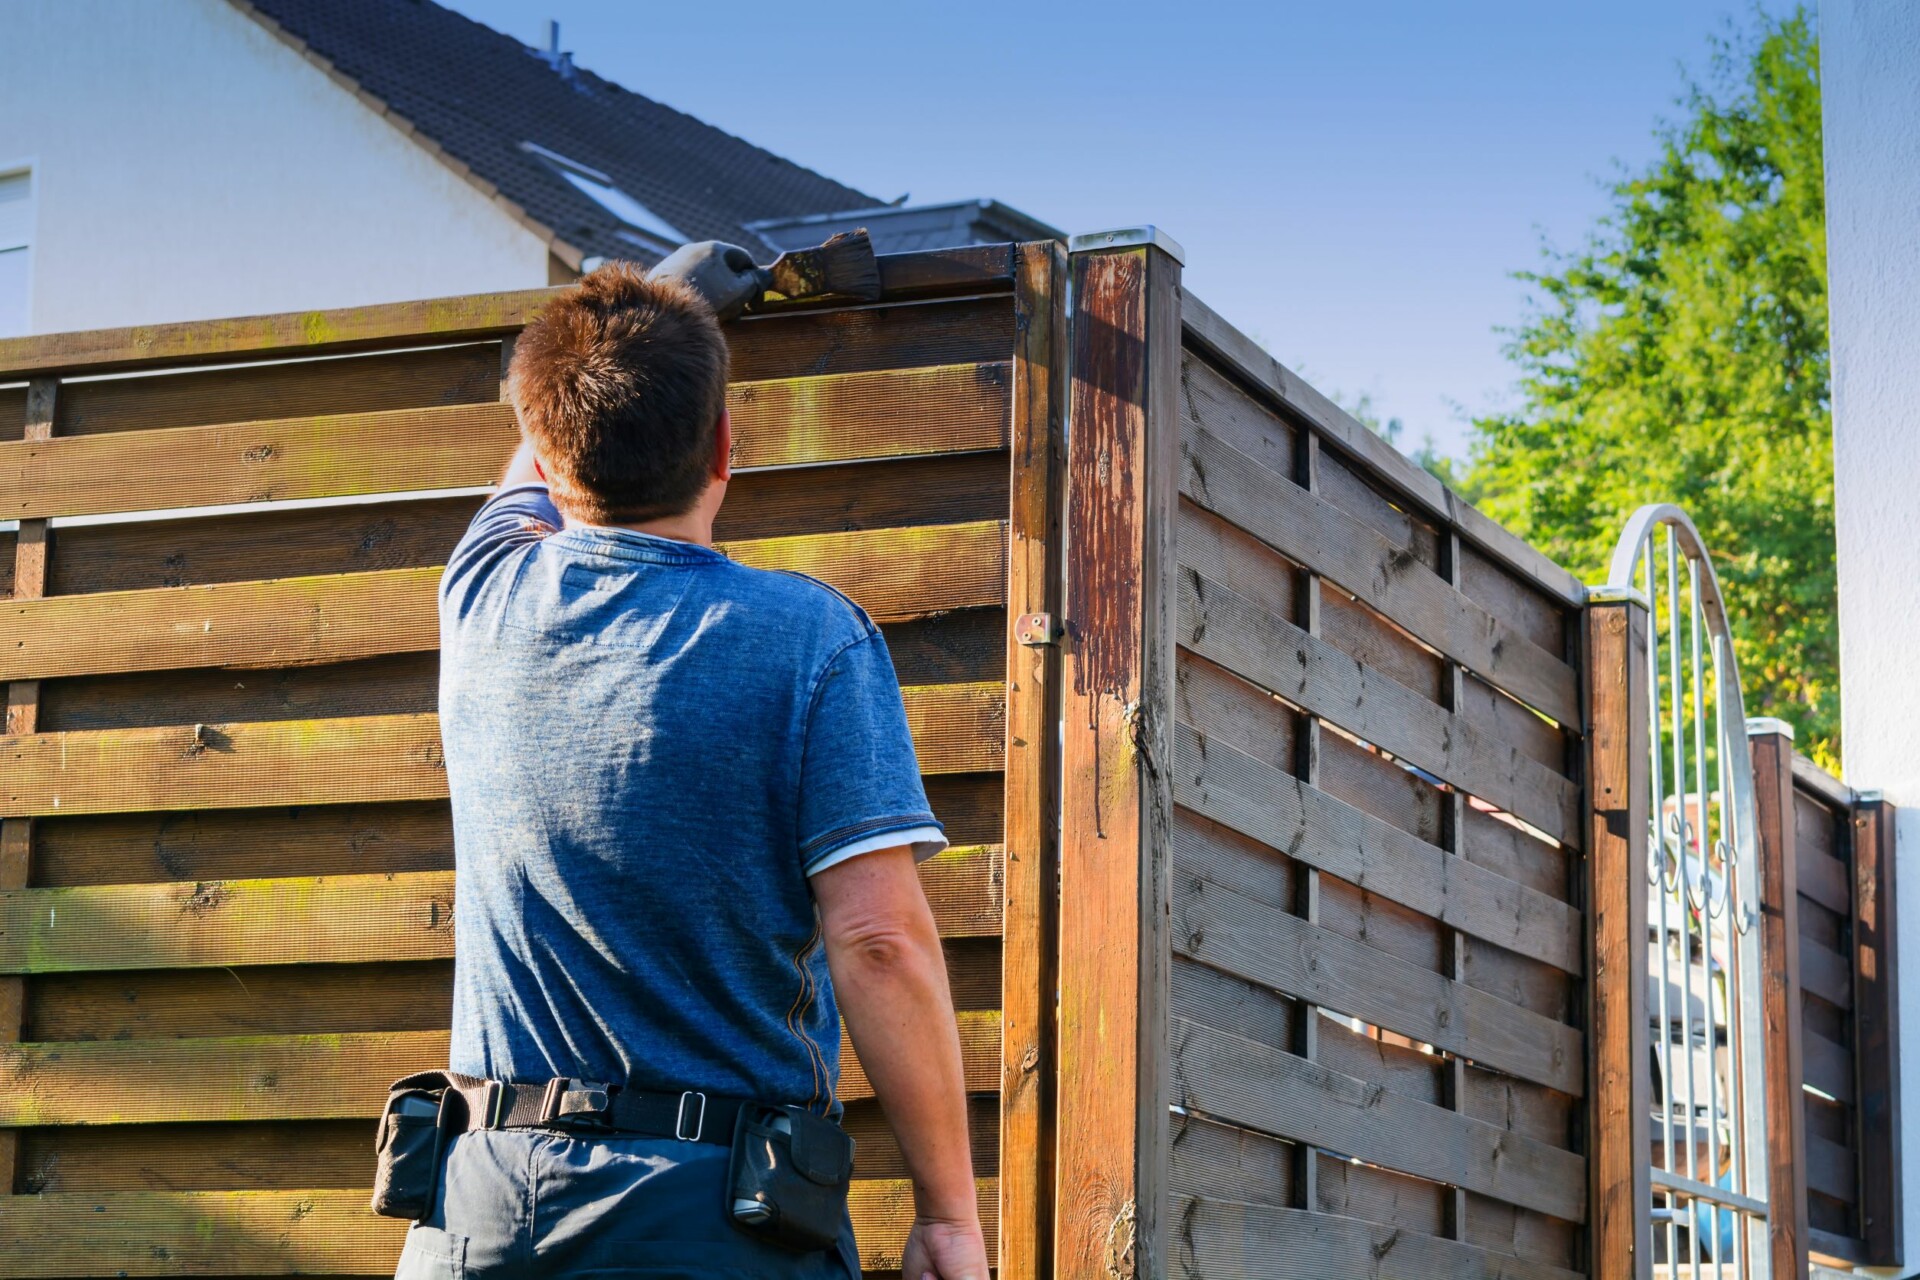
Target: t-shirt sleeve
859, 781
510, 519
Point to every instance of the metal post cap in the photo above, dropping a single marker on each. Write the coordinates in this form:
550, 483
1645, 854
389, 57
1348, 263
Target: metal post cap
1127, 238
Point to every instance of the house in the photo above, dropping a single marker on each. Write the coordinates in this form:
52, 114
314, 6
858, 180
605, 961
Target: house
305, 154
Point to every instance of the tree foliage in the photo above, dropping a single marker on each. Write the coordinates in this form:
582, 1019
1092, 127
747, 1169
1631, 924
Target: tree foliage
1681, 355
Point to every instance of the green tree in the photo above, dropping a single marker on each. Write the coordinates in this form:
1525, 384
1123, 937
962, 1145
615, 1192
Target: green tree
1681, 355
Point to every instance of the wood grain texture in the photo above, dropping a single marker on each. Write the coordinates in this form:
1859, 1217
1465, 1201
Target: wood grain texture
351, 919
1786, 1132
1026, 1126
957, 728
777, 422
290, 1077
1222, 477
1619, 1139
1284, 813
1116, 803
1253, 1085
895, 574
259, 1233
1226, 628
22, 701
1228, 1240
1229, 930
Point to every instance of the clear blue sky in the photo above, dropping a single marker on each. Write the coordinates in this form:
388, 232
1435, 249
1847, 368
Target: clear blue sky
1354, 183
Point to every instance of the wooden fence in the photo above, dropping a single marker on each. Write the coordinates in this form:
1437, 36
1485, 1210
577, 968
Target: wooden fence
1835, 1109
226, 858
1322, 830
1291, 914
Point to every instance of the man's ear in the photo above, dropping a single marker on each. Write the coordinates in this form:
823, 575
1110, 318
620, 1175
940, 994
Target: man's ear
721, 468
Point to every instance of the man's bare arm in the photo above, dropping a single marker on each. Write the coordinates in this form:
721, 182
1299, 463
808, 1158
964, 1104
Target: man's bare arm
522, 468
890, 979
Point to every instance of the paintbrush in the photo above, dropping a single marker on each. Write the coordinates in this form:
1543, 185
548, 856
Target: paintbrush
843, 268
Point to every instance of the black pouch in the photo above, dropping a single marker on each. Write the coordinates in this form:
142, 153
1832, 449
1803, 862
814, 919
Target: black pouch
408, 1143
789, 1178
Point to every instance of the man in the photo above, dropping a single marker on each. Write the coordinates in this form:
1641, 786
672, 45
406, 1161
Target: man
686, 817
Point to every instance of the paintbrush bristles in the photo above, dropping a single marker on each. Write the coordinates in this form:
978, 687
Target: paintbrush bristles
843, 267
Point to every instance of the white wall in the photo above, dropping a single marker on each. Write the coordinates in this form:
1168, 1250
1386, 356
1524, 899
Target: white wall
1870, 72
188, 165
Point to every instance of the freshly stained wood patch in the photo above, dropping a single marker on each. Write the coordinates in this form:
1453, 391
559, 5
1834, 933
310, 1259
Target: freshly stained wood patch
957, 728
333, 920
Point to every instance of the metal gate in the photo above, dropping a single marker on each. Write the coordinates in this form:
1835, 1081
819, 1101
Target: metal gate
1708, 1155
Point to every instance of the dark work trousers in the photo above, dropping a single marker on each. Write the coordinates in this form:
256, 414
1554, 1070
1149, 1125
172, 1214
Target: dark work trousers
530, 1203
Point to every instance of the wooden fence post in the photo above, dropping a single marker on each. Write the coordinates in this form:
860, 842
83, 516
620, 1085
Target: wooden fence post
1771, 744
1116, 786
1028, 979
1617, 694
1876, 1003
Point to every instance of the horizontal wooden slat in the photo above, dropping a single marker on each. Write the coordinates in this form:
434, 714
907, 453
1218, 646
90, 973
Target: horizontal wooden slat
957, 728
332, 919
1255, 644
1314, 533
973, 268
894, 574
1228, 1240
1247, 1083
1824, 879
1831, 1169
1828, 1066
1247, 360
1285, 813
777, 422
314, 1077
1826, 974
292, 333
254, 1233
1252, 940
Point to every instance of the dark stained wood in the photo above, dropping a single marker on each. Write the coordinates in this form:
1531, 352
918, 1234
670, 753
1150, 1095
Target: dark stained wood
402, 683
1116, 803
1616, 759
1026, 1123
1780, 1000
1225, 627
777, 422
864, 339
1829, 1066
1228, 930
1876, 1015
465, 374
1826, 880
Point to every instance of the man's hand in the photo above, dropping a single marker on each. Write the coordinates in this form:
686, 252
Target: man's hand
721, 273
939, 1250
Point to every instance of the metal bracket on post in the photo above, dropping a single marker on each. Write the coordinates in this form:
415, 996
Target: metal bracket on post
1037, 630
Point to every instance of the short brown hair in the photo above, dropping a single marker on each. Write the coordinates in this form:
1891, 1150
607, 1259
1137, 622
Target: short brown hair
620, 383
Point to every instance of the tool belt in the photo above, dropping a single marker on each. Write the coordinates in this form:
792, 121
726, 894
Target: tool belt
787, 1184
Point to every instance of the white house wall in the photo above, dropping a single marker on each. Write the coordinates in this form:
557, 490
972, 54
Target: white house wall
189, 165
1870, 73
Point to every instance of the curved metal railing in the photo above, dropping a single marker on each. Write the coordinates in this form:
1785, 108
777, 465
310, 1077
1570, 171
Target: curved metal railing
1709, 1158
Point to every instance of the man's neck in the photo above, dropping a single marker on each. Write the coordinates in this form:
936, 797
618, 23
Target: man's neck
694, 526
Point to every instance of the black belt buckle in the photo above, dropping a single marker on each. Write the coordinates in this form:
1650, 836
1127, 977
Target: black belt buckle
584, 1104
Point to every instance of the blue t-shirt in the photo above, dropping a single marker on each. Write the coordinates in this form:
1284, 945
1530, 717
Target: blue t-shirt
650, 748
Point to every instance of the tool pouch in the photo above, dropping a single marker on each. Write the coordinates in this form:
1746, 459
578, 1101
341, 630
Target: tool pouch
408, 1144
789, 1178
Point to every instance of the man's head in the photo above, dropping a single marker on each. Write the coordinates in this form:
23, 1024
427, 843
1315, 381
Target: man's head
620, 384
